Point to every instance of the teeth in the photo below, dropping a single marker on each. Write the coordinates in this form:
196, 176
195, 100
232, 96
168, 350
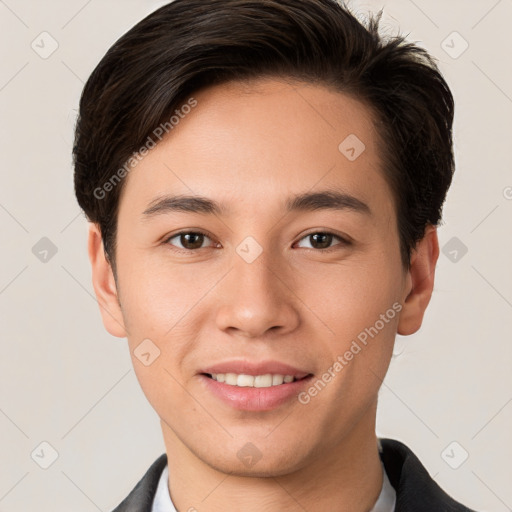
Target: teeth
253, 381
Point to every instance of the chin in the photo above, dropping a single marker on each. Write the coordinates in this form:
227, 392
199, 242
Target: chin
249, 461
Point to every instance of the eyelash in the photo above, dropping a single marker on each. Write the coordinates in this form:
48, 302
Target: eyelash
343, 241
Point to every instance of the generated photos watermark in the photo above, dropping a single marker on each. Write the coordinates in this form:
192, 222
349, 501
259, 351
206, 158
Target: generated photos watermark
137, 156
343, 360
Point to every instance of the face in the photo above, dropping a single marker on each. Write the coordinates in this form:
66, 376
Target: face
288, 265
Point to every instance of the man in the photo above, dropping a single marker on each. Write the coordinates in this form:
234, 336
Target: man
263, 181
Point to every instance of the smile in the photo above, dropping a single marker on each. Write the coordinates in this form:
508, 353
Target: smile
253, 381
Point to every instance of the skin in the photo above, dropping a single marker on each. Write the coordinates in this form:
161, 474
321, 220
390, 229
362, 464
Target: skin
251, 146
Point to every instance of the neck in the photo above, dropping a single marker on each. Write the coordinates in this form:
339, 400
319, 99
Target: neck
346, 477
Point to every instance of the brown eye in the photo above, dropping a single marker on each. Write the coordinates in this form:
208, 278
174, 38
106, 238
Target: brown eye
188, 240
323, 240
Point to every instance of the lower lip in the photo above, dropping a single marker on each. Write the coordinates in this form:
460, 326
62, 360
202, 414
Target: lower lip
255, 399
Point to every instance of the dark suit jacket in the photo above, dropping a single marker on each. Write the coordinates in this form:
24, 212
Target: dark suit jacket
415, 490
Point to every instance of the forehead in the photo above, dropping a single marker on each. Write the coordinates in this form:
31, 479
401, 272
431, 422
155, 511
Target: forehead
244, 142
276, 111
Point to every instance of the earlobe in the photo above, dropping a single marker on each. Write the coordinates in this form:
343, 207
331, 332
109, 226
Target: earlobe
420, 282
104, 284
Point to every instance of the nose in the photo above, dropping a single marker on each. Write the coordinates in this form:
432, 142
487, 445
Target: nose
256, 298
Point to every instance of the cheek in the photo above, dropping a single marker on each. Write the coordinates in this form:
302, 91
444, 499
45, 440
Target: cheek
161, 309
164, 303
155, 291
359, 304
350, 297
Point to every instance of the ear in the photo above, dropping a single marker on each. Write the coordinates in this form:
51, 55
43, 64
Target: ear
104, 284
420, 282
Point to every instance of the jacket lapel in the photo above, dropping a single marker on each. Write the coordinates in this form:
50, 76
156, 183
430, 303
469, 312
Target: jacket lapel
141, 497
415, 490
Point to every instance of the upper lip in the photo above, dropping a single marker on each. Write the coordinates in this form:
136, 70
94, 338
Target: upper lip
253, 368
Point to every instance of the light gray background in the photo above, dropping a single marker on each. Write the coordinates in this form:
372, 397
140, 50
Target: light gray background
65, 381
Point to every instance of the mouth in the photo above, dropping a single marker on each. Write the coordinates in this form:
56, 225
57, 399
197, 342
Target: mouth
256, 393
254, 381
254, 385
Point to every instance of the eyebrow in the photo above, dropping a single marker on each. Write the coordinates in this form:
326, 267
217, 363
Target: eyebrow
309, 201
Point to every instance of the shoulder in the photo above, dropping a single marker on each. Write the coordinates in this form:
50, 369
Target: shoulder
415, 489
141, 497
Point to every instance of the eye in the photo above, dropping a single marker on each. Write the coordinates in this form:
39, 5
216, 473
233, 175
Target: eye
322, 240
189, 240
193, 240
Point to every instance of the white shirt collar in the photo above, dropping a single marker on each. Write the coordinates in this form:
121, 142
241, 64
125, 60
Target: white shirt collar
163, 503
